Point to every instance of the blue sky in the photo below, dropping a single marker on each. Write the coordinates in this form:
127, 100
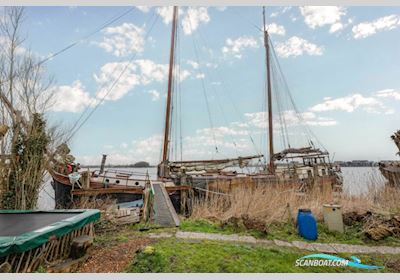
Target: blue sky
341, 64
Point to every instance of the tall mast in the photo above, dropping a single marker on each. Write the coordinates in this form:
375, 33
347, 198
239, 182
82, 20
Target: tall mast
170, 85
270, 125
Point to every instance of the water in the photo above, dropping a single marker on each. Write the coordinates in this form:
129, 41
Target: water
356, 180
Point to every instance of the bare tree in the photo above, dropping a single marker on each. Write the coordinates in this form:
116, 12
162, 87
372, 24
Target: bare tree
25, 96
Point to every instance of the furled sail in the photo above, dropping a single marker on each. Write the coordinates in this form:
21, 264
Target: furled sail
207, 165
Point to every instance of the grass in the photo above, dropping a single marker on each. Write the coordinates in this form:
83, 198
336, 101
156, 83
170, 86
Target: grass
172, 255
285, 231
176, 255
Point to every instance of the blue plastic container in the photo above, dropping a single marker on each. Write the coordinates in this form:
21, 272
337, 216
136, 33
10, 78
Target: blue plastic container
306, 224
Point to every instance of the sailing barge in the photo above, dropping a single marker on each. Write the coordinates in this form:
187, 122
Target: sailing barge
302, 168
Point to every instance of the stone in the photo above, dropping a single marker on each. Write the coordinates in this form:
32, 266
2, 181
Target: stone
323, 248
302, 245
282, 243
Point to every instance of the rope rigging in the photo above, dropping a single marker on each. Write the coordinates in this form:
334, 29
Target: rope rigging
282, 97
100, 101
286, 106
227, 91
83, 39
221, 108
204, 92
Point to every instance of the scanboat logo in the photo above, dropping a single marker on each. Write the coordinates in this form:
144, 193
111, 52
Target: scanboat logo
329, 260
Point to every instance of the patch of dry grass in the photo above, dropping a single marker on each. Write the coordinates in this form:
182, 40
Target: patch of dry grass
272, 204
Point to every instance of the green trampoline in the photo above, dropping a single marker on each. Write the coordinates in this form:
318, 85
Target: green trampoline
41, 235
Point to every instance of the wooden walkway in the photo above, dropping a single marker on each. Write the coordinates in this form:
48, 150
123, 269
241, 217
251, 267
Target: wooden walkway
164, 212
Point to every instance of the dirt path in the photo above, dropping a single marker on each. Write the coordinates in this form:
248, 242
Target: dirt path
320, 247
113, 259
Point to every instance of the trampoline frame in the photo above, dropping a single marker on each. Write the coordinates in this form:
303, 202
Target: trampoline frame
27, 251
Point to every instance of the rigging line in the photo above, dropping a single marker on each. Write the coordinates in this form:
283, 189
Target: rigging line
113, 85
250, 22
179, 89
204, 190
222, 112
176, 95
294, 105
204, 90
230, 98
93, 101
279, 107
111, 21
282, 120
285, 126
263, 136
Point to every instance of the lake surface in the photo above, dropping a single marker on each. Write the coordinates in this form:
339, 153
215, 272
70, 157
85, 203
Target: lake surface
356, 180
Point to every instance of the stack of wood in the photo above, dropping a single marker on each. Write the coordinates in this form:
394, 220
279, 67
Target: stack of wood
123, 216
378, 228
127, 216
375, 226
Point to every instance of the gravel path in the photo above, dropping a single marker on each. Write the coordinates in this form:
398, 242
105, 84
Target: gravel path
319, 247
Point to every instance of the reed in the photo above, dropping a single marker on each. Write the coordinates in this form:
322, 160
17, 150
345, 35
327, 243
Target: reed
273, 204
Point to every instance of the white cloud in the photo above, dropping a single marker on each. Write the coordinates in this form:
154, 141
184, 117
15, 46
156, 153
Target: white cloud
123, 40
351, 103
336, 27
230, 139
280, 12
389, 93
259, 119
317, 16
296, 46
140, 72
192, 63
165, 13
6, 44
365, 29
151, 71
145, 149
235, 47
183, 74
109, 73
192, 19
73, 98
155, 95
227, 139
200, 76
144, 9
274, 28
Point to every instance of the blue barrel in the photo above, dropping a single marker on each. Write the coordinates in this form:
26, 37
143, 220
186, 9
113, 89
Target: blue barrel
306, 224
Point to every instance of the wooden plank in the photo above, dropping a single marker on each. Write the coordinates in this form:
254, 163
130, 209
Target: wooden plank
107, 191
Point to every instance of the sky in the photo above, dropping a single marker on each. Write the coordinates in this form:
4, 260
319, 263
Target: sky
340, 63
